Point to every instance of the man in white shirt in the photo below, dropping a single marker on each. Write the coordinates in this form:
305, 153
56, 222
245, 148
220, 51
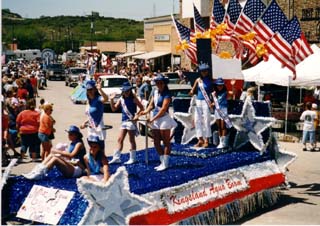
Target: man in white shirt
308, 116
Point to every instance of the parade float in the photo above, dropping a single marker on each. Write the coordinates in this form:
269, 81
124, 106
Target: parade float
201, 186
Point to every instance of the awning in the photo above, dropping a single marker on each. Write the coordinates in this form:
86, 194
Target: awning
151, 55
129, 54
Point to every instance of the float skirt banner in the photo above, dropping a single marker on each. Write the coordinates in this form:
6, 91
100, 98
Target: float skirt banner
201, 192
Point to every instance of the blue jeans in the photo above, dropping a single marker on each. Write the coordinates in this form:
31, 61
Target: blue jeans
309, 136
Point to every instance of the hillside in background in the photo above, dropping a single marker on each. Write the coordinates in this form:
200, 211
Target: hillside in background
62, 33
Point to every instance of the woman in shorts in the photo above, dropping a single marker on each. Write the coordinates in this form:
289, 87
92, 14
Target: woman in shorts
46, 130
160, 121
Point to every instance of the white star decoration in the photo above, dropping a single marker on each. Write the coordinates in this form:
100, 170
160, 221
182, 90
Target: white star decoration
111, 203
249, 127
283, 158
187, 120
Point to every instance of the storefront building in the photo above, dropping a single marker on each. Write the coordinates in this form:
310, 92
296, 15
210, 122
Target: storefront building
160, 39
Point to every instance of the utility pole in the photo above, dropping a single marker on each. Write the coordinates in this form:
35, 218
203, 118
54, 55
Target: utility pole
13, 36
91, 29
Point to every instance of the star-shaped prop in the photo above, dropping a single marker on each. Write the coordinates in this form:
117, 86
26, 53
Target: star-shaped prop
111, 203
187, 120
283, 158
249, 127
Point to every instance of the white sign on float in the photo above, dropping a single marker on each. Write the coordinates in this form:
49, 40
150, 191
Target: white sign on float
45, 205
226, 68
204, 191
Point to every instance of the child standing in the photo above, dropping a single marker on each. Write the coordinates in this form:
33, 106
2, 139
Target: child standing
308, 116
221, 111
128, 103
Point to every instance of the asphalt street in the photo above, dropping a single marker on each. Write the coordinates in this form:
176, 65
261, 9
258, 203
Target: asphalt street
299, 205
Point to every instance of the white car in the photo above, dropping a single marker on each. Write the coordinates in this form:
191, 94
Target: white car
112, 84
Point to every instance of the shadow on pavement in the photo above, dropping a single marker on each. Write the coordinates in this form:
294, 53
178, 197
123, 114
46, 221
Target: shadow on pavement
310, 189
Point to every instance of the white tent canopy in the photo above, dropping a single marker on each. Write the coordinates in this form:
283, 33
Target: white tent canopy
129, 54
272, 72
150, 55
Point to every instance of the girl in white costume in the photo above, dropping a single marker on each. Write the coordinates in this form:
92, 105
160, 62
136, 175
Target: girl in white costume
203, 88
94, 111
160, 121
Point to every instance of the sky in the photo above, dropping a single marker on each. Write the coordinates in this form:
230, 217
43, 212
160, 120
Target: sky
132, 9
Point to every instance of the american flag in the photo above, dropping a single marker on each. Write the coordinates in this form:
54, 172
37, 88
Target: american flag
289, 45
199, 24
232, 15
251, 51
272, 20
185, 33
249, 15
218, 13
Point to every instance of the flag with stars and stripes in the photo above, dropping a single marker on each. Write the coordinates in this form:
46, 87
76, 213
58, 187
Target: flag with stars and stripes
218, 13
232, 15
185, 33
252, 10
289, 45
272, 20
199, 24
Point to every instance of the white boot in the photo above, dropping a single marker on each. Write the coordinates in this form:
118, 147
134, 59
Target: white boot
226, 141
37, 173
116, 157
35, 170
161, 162
165, 164
132, 158
221, 142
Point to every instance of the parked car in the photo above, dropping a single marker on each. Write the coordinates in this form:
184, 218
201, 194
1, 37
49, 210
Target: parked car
179, 90
73, 75
112, 84
56, 71
173, 77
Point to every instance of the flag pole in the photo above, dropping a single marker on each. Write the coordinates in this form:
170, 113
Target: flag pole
287, 108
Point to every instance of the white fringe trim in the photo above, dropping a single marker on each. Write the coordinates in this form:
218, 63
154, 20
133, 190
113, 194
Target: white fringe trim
7, 172
235, 210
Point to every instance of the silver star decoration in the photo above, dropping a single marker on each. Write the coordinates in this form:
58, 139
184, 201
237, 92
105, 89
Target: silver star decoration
283, 158
111, 203
249, 127
187, 120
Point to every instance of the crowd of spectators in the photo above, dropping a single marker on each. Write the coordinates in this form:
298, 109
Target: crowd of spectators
19, 90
